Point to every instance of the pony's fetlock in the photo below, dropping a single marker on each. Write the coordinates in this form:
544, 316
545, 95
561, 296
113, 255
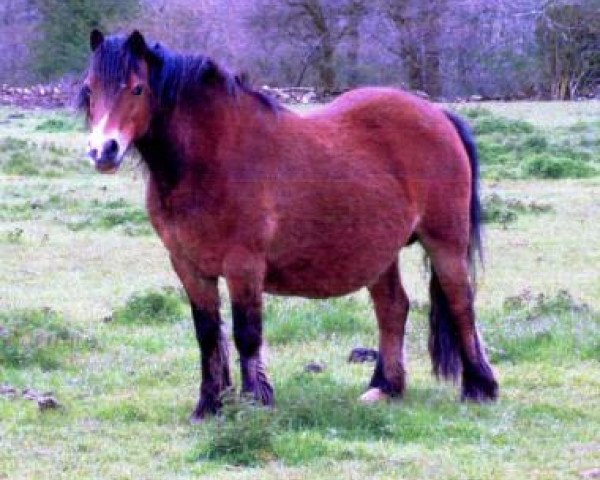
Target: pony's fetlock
479, 384
391, 381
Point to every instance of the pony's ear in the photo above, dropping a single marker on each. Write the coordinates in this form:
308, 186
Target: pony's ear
137, 44
96, 39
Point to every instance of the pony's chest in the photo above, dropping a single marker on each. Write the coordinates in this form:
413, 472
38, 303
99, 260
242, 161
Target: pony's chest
190, 235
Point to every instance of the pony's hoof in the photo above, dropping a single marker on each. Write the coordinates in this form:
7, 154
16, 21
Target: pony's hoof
196, 419
208, 406
373, 395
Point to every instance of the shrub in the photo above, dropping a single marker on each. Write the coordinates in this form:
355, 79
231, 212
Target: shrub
59, 49
40, 337
243, 435
151, 307
535, 143
548, 166
500, 209
532, 327
492, 124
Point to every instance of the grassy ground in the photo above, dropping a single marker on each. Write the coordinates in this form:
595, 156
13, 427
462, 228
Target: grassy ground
90, 310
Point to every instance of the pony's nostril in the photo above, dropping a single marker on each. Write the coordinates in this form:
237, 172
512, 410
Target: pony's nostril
110, 149
93, 153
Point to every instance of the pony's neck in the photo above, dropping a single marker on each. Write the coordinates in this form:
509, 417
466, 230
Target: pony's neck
185, 140
161, 156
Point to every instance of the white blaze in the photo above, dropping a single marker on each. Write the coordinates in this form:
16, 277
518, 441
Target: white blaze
101, 134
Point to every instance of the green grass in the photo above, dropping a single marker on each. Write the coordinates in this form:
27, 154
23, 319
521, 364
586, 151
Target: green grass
517, 149
61, 123
29, 158
94, 314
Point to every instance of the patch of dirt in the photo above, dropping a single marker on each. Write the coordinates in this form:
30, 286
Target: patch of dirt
8, 391
44, 400
362, 355
314, 367
591, 473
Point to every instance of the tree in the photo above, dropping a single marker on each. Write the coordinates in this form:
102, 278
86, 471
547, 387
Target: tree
569, 38
418, 25
18, 20
318, 26
62, 45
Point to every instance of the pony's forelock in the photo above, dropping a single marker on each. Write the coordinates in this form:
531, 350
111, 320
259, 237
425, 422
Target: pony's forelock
172, 76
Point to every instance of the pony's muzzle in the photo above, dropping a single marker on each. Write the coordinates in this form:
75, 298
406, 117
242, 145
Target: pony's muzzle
106, 159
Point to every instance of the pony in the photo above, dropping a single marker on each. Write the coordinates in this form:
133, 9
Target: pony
315, 205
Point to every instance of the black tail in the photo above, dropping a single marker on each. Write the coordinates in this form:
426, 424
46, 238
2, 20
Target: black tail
444, 346
466, 135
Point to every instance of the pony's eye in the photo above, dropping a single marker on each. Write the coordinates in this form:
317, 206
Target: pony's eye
137, 90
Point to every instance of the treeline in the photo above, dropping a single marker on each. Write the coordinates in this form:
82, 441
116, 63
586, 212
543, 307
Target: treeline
446, 48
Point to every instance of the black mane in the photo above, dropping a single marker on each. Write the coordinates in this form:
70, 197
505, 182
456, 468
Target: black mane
173, 76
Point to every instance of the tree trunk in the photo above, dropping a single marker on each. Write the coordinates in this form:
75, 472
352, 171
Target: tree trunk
432, 80
326, 67
412, 62
353, 49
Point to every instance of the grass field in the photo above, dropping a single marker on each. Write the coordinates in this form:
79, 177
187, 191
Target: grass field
90, 310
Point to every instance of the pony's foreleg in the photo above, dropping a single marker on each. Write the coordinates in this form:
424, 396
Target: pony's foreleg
204, 299
244, 273
391, 308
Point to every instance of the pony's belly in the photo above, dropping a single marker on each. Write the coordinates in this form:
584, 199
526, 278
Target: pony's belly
327, 275
338, 252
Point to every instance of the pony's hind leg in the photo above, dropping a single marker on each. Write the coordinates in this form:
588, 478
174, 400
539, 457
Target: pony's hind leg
245, 276
391, 309
454, 342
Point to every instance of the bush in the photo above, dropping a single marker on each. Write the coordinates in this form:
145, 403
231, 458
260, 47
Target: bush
499, 209
494, 124
151, 307
40, 337
59, 49
535, 143
532, 327
243, 435
547, 166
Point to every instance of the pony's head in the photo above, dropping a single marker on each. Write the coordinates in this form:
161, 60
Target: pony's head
116, 97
